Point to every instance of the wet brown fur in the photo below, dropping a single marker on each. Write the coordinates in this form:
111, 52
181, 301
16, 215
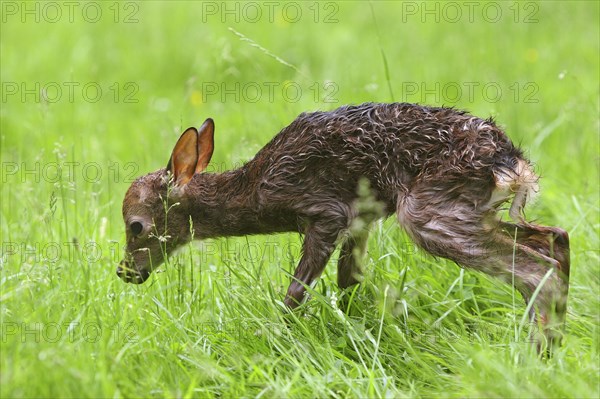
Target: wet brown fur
445, 174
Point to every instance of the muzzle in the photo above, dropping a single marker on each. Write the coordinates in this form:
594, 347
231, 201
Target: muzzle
129, 274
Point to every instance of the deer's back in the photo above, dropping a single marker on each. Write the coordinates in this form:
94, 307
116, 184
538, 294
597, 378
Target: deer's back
394, 146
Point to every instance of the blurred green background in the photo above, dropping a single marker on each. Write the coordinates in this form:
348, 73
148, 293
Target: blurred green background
95, 94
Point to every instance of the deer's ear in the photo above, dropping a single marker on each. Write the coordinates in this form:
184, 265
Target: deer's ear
206, 144
184, 157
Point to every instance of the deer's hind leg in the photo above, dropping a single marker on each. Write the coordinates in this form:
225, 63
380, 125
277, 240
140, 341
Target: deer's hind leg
551, 246
546, 240
455, 228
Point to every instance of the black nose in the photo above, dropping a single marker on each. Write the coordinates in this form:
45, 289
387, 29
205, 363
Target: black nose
124, 271
127, 273
121, 270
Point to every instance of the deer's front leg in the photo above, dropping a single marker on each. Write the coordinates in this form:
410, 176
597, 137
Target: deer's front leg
319, 243
349, 270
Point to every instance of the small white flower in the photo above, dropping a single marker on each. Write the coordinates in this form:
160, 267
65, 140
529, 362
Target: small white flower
334, 300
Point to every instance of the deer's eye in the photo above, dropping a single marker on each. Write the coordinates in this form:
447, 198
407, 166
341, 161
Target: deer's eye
136, 228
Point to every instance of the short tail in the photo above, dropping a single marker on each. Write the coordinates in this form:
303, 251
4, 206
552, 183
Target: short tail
520, 181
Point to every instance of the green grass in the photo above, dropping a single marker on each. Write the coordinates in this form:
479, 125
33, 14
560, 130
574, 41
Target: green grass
212, 324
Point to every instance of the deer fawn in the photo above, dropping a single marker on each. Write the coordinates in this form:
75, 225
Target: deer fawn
444, 173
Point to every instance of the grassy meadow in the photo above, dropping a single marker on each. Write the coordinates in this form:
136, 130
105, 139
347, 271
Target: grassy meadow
95, 94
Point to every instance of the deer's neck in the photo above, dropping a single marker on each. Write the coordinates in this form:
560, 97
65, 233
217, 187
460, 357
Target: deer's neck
226, 204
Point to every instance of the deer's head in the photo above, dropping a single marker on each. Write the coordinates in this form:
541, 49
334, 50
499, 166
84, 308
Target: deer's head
154, 208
